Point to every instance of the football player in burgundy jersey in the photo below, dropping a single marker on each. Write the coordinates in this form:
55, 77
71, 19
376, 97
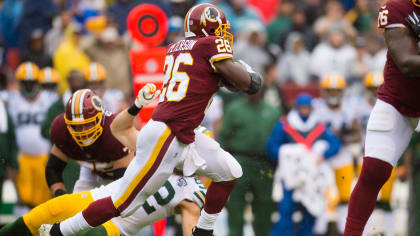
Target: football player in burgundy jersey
83, 133
396, 112
195, 68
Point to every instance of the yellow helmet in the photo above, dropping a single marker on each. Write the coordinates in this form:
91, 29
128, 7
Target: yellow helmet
27, 71
95, 72
373, 79
333, 81
49, 75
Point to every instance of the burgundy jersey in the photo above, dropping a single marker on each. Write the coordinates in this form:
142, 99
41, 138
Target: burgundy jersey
398, 89
190, 82
105, 149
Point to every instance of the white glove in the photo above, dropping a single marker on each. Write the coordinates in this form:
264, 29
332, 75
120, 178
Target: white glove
247, 67
146, 95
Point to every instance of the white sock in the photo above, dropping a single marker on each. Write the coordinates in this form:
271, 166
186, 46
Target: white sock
206, 220
74, 224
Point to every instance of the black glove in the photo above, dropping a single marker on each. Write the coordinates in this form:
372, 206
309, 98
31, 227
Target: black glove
59, 192
414, 20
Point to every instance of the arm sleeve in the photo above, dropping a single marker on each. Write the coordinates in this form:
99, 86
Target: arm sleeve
391, 15
274, 142
334, 144
12, 155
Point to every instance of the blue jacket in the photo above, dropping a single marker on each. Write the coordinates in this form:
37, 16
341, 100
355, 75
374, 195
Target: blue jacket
279, 137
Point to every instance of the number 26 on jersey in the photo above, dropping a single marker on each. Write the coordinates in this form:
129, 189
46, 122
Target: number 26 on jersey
175, 82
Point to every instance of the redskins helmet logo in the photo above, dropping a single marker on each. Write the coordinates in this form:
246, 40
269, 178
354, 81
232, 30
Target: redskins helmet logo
211, 14
97, 103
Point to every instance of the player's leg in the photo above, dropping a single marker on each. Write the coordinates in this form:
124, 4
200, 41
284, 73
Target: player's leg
344, 176
41, 192
388, 134
51, 211
223, 169
158, 152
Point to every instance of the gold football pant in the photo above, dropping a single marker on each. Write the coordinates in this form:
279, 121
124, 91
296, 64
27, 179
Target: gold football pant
61, 208
31, 183
344, 177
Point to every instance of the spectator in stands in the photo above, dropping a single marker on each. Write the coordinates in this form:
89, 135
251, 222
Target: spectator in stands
69, 55
333, 56
251, 46
35, 15
361, 16
109, 50
281, 23
36, 51
271, 90
294, 65
8, 147
56, 35
246, 141
302, 26
363, 62
10, 16
334, 18
242, 15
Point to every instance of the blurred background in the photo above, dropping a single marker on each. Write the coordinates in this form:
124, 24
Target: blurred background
330, 50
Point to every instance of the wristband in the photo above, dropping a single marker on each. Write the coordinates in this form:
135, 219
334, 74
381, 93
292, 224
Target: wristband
256, 83
133, 110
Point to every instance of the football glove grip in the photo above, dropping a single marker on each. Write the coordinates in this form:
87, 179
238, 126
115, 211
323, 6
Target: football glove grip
414, 20
146, 95
54, 170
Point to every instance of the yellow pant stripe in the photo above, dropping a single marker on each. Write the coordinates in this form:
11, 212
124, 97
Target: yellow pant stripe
111, 229
145, 169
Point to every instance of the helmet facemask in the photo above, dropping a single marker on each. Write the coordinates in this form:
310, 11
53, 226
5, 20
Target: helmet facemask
224, 31
29, 89
85, 131
333, 97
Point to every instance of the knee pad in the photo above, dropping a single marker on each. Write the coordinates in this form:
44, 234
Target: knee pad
232, 169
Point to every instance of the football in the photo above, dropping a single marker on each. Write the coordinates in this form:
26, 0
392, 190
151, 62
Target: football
225, 83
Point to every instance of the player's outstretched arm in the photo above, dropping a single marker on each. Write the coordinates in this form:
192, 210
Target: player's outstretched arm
122, 126
240, 75
402, 47
54, 171
190, 213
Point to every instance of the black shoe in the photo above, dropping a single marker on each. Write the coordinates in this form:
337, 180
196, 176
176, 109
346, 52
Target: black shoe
202, 232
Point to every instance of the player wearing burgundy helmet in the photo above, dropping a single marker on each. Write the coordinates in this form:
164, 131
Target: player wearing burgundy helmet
396, 112
83, 133
194, 69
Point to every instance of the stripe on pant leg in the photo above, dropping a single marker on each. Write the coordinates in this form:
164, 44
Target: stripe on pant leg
146, 173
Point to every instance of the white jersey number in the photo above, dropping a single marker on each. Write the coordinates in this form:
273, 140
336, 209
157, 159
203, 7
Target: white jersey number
175, 83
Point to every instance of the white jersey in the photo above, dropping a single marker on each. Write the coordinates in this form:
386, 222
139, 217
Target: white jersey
112, 100
159, 205
27, 118
336, 120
